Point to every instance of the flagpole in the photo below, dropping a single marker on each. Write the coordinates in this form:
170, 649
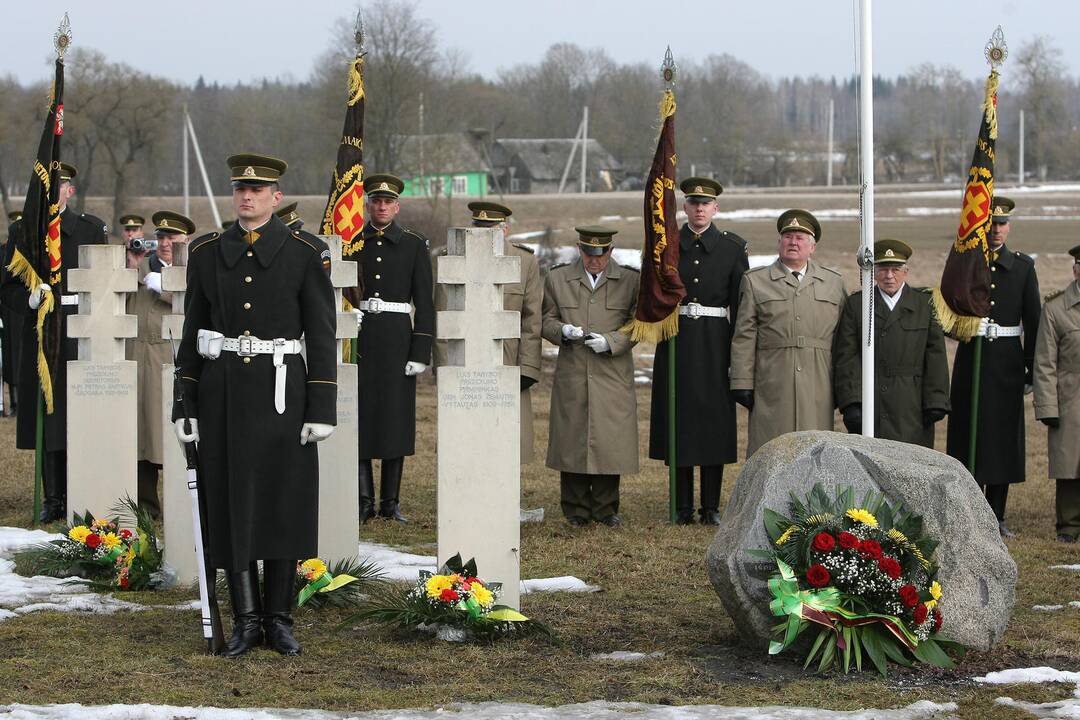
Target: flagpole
39, 455
667, 71
866, 247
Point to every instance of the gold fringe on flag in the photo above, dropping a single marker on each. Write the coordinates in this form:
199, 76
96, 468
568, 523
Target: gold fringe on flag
653, 332
961, 327
356, 81
21, 268
990, 103
346, 344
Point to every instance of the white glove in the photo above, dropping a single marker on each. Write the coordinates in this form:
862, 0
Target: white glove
152, 281
598, 344
314, 432
38, 296
572, 332
359, 317
983, 322
414, 368
185, 437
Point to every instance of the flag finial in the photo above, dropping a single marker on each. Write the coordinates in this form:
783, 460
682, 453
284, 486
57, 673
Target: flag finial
62, 38
996, 49
358, 32
667, 69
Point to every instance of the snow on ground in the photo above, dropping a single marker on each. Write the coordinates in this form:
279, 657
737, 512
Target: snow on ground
596, 710
627, 257
1052, 608
1010, 191
626, 656
761, 260
773, 213
1069, 708
22, 595
398, 565
1065, 567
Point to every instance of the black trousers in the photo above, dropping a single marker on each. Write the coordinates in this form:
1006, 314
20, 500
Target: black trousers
997, 496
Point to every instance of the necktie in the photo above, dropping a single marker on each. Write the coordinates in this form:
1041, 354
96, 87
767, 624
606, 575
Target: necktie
797, 275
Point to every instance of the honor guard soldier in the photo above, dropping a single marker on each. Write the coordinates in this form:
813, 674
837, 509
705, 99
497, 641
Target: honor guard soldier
150, 304
911, 370
12, 319
253, 291
711, 265
1008, 355
781, 356
593, 437
76, 230
396, 277
524, 297
290, 217
1057, 397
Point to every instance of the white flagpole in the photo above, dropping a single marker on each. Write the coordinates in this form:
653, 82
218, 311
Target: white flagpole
866, 246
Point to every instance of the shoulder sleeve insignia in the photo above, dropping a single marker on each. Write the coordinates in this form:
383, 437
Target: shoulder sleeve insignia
1051, 296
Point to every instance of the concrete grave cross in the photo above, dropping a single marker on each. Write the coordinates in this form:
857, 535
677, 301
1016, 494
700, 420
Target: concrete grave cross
102, 282
479, 472
475, 323
339, 496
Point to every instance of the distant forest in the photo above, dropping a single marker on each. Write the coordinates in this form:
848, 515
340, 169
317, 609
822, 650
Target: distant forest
124, 126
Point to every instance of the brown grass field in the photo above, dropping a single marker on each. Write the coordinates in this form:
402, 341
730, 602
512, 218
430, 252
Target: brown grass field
656, 595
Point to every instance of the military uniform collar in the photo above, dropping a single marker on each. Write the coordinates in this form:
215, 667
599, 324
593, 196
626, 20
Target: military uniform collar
1006, 257
1072, 293
391, 232
709, 238
68, 220
272, 236
613, 271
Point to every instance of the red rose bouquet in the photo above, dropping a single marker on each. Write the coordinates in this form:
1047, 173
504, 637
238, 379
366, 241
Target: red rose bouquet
863, 573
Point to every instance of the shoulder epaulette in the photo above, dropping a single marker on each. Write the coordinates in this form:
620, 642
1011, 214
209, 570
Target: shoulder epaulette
927, 290
1051, 296
203, 240
756, 269
556, 266
737, 239
834, 272
522, 246
627, 267
310, 240
409, 231
1022, 256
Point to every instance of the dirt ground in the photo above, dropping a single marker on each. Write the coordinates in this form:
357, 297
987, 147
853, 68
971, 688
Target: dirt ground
656, 595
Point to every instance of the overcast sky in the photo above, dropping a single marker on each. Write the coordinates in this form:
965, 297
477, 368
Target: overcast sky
228, 41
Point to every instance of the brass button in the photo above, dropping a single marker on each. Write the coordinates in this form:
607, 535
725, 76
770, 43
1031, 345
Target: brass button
697, 262
695, 279
247, 278
247, 360
249, 253
798, 317
379, 243
695, 300
991, 302
993, 269
378, 277
247, 333
376, 294
378, 259
247, 306
993, 286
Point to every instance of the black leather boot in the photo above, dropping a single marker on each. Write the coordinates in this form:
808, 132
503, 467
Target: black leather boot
367, 491
247, 629
279, 582
54, 482
390, 487
712, 477
684, 496
148, 494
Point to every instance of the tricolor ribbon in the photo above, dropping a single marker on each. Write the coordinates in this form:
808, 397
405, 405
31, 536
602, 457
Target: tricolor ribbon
323, 583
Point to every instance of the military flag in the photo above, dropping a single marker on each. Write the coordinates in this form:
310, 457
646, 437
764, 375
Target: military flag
661, 289
964, 295
36, 259
344, 215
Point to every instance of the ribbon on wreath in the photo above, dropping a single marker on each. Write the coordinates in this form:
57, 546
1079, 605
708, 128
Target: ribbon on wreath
319, 580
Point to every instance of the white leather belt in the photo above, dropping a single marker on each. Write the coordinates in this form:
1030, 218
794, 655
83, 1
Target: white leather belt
694, 311
376, 305
994, 331
69, 299
211, 344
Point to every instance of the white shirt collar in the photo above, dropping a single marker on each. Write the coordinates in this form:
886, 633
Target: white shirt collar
247, 229
891, 300
594, 281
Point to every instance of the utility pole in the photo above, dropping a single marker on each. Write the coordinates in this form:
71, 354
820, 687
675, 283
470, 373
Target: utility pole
187, 200
423, 179
1021, 147
584, 149
828, 160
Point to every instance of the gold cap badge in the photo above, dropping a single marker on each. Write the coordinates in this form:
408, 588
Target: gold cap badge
890, 253
249, 171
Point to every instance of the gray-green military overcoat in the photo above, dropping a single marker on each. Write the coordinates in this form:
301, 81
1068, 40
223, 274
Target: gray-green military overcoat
782, 349
593, 402
1057, 380
911, 370
151, 352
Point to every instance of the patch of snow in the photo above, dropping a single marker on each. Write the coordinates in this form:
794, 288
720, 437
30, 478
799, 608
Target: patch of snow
398, 565
1065, 567
526, 236
610, 218
1069, 708
595, 710
923, 211
773, 213
626, 656
1051, 608
761, 260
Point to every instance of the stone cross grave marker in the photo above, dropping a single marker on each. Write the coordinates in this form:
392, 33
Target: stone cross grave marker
339, 496
176, 500
101, 391
479, 449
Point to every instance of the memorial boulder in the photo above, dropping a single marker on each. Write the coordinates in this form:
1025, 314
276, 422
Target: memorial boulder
976, 571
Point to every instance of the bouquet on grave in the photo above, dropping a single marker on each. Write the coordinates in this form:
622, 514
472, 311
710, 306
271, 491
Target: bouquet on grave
863, 575
101, 552
345, 585
454, 603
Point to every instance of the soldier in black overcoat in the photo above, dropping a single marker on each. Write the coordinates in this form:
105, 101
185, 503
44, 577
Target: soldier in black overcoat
253, 291
395, 271
711, 265
12, 320
1008, 355
76, 229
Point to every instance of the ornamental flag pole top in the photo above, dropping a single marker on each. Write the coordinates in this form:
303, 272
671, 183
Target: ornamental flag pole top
62, 38
667, 69
996, 49
358, 32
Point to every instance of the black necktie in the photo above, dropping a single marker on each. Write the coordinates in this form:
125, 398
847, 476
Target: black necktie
796, 273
